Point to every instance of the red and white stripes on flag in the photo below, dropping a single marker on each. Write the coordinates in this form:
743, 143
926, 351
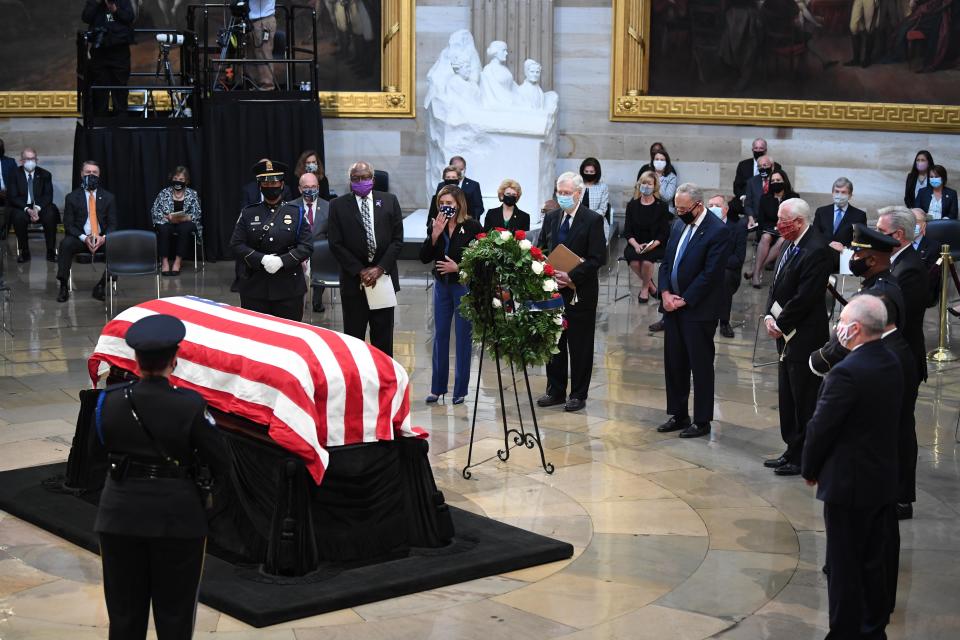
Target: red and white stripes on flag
311, 387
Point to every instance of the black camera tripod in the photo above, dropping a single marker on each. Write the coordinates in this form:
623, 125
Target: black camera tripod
178, 99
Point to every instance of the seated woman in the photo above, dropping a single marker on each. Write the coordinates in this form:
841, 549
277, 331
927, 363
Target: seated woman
646, 227
507, 215
917, 178
176, 212
596, 194
936, 199
768, 249
309, 162
450, 233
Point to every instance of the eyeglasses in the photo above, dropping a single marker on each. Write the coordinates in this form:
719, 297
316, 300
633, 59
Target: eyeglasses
360, 177
680, 211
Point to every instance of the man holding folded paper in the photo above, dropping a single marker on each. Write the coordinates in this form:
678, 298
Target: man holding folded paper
797, 319
365, 230
573, 238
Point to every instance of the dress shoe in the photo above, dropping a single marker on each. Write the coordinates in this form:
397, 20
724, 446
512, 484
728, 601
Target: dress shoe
696, 430
434, 397
656, 326
23, 257
904, 511
775, 463
319, 308
64, 293
51, 256
99, 292
575, 404
547, 400
726, 331
674, 424
459, 399
788, 469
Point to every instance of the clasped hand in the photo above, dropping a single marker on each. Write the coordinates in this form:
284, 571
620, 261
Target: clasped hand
370, 275
772, 329
272, 263
562, 278
94, 242
672, 302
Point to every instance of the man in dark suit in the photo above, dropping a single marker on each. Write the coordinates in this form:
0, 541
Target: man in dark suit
927, 252
835, 222
747, 168
8, 167
913, 276
315, 211
692, 297
365, 229
796, 318
757, 186
31, 200
89, 215
581, 230
470, 188
850, 454
719, 207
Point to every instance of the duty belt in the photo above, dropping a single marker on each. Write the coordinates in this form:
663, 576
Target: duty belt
155, 470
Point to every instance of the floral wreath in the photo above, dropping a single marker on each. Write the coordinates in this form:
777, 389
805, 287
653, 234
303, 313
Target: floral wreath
512, 300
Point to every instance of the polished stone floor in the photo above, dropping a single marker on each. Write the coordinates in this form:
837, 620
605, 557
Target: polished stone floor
673, 539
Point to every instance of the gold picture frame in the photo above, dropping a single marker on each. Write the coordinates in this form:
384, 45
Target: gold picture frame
396, 100
629, 102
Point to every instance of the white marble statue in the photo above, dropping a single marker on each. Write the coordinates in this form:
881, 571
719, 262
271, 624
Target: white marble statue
503, 130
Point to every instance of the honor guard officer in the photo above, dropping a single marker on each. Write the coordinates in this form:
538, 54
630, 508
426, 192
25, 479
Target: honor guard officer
151, 517
272, 239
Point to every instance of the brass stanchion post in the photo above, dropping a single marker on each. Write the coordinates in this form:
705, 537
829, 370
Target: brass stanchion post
942, 353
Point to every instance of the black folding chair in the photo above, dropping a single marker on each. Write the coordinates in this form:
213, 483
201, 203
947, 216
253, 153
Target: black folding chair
324, 268
131, 252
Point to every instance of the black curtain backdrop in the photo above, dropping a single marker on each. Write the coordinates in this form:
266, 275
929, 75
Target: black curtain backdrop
136, 161
237, 133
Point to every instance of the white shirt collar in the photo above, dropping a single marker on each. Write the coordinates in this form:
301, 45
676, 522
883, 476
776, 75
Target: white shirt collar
886, 333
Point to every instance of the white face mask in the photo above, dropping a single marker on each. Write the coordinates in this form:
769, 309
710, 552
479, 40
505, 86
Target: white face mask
659, 165
843, 333
841, 199
29, 165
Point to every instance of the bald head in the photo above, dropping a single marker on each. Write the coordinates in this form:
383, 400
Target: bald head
309, 187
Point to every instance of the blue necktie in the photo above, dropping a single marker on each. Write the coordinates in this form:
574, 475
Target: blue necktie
676, 261
564, 230
837, 217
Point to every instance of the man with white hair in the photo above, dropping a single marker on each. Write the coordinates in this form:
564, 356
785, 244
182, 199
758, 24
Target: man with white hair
691, 300
580, 230
850, 455
796, 318
908, 268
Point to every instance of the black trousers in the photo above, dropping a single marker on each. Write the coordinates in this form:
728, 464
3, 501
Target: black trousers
288, 308
907, 450
858, 563
731, 282
70, 246
317, 296
138, 571
110, 66
576, 349
182, 232
688, 349
49, 217
357, 315
4, 225
797, 392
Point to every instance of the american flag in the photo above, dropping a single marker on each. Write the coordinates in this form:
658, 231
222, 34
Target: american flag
311, 387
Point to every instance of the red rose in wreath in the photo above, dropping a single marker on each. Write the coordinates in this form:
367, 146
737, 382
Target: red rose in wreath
549, 270
536, 253
480, 236
520, 234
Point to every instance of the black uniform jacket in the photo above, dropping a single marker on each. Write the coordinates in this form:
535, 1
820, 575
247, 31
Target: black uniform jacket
462, 235
177, 419
263, 230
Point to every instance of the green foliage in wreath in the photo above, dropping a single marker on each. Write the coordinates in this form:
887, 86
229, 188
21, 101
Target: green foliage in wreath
507, 279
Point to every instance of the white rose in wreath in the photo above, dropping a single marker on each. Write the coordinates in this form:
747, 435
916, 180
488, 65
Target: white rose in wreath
525, 244
549, 285
497, 303
537, 267
558, 320
505, 235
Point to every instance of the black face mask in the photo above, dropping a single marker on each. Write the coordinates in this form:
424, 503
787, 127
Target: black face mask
763, 172
90, 182
688, 217
179, 185
859, 267
509, 200
759, 154
589, 177
271, 193
777, 187
451, 181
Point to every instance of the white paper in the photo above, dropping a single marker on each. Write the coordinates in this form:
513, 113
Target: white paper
845, 256
382, 296
775, 312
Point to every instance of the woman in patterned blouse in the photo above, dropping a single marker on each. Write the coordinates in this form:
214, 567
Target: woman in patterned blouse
176, 212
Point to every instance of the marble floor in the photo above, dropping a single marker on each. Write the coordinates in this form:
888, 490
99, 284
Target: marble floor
673, 539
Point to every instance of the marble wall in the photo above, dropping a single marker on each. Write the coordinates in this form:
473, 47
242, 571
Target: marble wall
876, 162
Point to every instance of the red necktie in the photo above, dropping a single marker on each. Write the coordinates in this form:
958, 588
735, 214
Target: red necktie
766, 186
310, 215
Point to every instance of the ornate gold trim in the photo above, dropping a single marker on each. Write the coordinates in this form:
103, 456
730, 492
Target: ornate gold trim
629, 84
397, 100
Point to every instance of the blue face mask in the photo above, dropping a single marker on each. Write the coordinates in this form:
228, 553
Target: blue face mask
916, 232
936, 182
565, 202
717, 211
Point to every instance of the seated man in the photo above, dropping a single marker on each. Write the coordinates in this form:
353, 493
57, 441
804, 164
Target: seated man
31, 201
89, 214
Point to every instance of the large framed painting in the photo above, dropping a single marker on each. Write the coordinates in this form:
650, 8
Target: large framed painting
857, 64
365, 49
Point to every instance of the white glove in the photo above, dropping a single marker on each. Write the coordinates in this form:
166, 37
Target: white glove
272, 263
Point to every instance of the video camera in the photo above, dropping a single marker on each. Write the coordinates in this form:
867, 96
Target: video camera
171, 39
240, 9
95, 37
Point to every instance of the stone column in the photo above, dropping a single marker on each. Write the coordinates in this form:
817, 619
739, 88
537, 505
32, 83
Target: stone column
527, 28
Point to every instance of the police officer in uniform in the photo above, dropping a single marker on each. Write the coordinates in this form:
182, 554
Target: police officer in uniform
272, 239
151, 517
